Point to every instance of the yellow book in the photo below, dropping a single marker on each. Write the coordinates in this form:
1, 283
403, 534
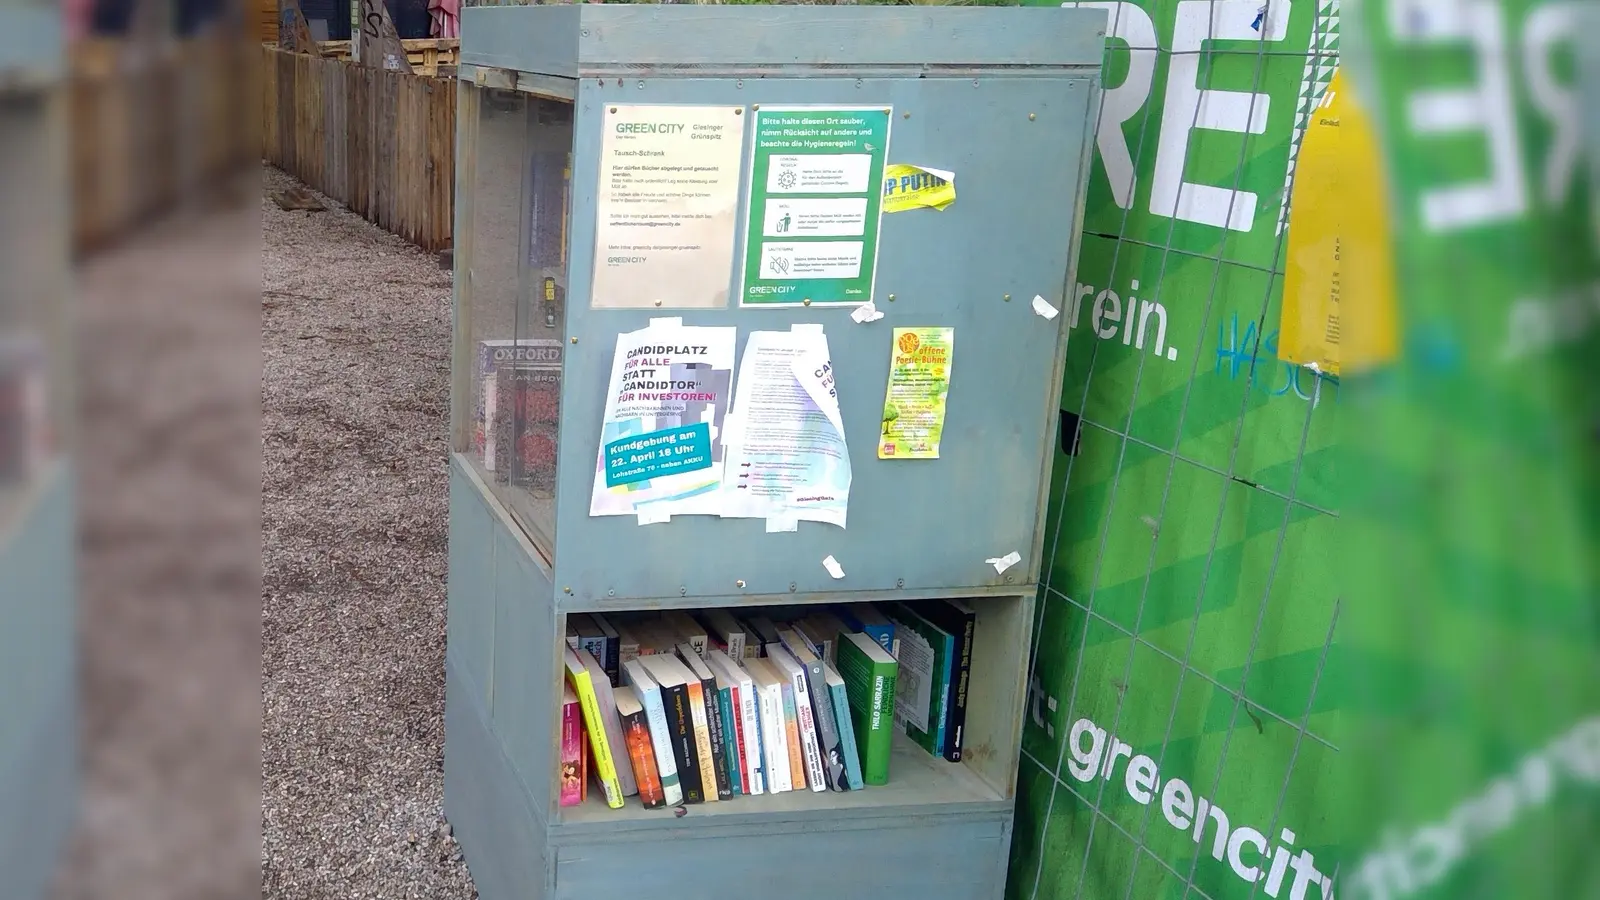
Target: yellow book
605, 766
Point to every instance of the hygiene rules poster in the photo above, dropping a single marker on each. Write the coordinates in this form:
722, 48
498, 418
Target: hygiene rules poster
660, 444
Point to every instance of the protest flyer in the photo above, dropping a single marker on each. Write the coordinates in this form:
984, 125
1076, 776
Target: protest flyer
660, 445
919, 383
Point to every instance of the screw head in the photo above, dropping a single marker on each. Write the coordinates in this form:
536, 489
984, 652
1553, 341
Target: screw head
899, 582
905, 115
574, 340
891, 298
641, 85
1008, 579
739, 111
1007, 298
791, 587
611, 593
739, 583
1031, 117
806, 302
613, 109
755, 106
567, 589
683, 592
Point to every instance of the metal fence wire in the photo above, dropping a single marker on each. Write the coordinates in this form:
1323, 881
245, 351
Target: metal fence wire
1182, 689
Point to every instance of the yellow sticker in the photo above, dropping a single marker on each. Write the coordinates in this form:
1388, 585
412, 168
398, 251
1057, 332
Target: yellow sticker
917, 187
1339, 245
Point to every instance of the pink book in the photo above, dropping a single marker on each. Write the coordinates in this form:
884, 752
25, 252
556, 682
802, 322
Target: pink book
574, 778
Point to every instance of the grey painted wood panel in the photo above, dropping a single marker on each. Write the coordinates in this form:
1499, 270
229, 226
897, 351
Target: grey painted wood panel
38, 704
470, 583
525, 681
581, 40
501, 837
949, 858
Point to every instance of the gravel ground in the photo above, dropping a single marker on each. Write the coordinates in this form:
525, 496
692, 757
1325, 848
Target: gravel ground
355, 337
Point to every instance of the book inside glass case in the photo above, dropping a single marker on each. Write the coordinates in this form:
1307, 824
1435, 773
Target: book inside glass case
819, 708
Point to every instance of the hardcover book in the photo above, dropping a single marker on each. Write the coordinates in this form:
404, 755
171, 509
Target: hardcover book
574, 777
810, 744
636, 734
713, 717
774, 727
847, 728
605, 768
869, 674
649, 694
829, 746
674, 683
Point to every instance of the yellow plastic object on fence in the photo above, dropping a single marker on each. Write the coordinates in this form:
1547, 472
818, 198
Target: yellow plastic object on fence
1339, 245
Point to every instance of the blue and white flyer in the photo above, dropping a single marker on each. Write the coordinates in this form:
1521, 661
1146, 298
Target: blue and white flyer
661, 450
787, 461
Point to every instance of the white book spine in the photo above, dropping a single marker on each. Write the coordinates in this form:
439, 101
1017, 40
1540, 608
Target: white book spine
755, 769
774, 740
808, 734
655, 714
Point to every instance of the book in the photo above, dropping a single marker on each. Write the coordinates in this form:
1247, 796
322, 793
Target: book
606, 695
612, 661
572, 634
748, 720
869, 619
574, 778
641, 756
705, 761
531, 384
687, 629
673, 682
649, 694
810, 745
828, 743
731, 758
590, 637
727, 629
870, 674
959, 620
824, 628
765, 631
774, 730
847, 728
713, 718
605, 768
926, 657
628, 646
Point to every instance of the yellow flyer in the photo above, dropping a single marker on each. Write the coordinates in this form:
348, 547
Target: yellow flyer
919, 382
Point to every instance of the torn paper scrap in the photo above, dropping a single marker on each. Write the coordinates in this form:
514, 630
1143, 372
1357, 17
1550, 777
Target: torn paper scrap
654, 516
1043, 307
778, 525
833, 567
908, 187
1002, 563
866, 312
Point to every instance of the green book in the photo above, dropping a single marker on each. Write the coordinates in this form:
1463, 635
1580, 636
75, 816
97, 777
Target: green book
869, 675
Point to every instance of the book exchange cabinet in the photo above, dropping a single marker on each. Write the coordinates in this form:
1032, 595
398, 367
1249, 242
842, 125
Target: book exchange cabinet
38, 531
757, 308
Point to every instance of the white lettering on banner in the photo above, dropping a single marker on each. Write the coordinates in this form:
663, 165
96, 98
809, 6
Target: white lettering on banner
1132, 26
1188, 107
1485, 107
1093, 753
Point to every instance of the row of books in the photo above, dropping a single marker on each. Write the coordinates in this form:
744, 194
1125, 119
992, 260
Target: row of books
683, 707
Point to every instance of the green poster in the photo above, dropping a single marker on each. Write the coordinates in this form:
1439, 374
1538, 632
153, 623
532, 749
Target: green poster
815, 200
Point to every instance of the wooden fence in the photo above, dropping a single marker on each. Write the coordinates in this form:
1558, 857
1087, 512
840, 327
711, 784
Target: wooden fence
153, 129
382, 143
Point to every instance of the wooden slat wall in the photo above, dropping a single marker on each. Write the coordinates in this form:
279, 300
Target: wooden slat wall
381, 143
147, 127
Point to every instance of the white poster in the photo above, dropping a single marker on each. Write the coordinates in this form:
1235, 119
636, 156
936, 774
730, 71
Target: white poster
787, 459
668, 206
661, 452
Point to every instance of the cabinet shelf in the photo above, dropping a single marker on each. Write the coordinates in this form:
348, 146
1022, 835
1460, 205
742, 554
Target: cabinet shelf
919, 784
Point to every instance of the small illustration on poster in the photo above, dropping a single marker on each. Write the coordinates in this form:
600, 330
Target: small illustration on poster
914, 403
660, 450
